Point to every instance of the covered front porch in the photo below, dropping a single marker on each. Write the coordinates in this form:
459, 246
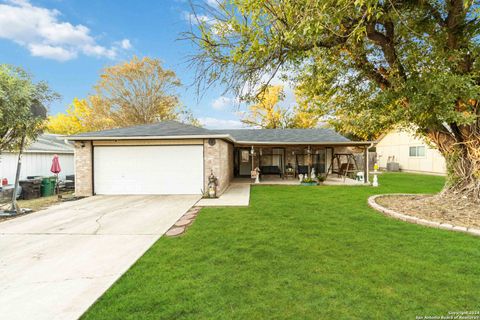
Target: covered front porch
330, 181
337, 164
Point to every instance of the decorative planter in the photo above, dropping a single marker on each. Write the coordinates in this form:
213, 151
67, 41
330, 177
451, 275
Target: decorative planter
309, 183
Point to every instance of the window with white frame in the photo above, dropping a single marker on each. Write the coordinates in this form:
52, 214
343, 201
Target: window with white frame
417, 151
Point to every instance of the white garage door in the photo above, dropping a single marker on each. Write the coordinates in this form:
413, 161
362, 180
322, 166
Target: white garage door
148, 169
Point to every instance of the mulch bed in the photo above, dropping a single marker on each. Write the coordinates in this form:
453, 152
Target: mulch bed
452, 210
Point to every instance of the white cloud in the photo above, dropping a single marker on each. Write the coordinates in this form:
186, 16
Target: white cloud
51, 52
125, 44
96, 50
223, 102
44, 35
197, 19
214, 123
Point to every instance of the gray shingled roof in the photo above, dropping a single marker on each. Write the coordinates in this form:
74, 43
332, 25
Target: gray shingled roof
50, 143
286, 135
164, 128
173, 128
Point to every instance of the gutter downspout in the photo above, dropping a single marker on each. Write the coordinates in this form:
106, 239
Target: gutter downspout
366, 171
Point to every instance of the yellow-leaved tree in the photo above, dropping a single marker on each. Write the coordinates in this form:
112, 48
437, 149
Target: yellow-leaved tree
80, 117
269, 114
304, 114
135, 92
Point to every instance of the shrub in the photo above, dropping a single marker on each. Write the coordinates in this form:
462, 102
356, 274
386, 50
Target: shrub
308, 180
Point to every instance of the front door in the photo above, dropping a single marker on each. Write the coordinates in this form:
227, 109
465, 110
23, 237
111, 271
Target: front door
243, 162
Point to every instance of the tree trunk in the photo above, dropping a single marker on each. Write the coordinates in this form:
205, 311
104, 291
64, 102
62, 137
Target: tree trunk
461, 150
463, 176
15, 207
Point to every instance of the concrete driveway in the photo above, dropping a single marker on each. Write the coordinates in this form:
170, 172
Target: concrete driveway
55, 263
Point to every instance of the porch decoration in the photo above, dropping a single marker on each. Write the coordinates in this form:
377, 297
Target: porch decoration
312, 175
359, 176
375, 177
309, 182
245, 156
321, 179
212, 185
255, 174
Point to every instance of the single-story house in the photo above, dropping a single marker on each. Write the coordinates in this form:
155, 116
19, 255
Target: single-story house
411, 153
37, 159
174, 158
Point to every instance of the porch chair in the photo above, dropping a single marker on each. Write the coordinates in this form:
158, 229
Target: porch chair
345, 169
302, 170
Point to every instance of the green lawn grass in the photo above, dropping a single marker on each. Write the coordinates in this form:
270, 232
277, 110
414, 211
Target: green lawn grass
303, 253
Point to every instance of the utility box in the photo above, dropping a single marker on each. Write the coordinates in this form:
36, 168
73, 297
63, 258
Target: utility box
70, 182
393, 166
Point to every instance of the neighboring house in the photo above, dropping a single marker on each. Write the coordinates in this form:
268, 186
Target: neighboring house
412, 153
37, 159
174, 158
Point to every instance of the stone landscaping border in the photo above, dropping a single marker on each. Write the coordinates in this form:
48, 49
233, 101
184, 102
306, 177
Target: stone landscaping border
182, 224
411, 219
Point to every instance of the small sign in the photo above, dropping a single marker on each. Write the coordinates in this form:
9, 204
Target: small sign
254, 174
245, 156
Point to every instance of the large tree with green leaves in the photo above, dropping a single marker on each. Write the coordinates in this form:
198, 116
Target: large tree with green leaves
374, 64
22, 106
22, 112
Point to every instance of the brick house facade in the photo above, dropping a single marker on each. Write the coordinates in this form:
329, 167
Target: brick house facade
157, 158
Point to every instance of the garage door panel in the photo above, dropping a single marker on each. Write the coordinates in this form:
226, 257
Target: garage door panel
148, 169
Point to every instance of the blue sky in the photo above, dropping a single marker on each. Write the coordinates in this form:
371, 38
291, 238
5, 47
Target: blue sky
67, 43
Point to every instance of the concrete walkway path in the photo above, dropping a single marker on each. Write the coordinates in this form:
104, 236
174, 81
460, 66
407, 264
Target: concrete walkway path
55, 263
237, 194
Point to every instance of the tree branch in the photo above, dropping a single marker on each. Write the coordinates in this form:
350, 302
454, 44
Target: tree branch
387, 44
455, 23
362, 63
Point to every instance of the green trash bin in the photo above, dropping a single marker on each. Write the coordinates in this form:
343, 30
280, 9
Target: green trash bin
53, 181
47, 188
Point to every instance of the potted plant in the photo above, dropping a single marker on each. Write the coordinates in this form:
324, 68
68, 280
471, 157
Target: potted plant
321, 179
308, 182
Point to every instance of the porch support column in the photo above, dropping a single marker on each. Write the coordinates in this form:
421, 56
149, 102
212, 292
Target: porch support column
252, 154
365, 165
